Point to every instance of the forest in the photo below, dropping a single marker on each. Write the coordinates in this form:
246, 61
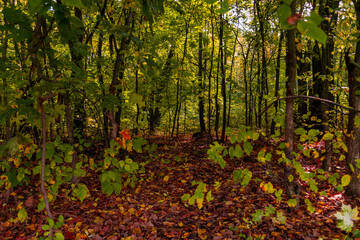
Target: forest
179, 119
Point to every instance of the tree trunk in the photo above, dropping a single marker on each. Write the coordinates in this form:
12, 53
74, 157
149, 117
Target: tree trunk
277, 81
353, 141
289, 121
223, 77
201, 87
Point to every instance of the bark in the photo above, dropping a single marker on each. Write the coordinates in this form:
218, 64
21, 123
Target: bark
223, 77
178, 85
119, 70
289, 121
353, 141
277, 80
210, 74
201, 87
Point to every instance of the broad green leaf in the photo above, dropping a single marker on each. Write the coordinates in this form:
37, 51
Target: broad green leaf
34, 5
224, 7
22, 214
248, 148
233, 138
312, 31
81, 191
314, 18
300, 131
292, 202
111, 174
345, 180
45, 227
74, 3
238, 152
328, 136
59, 236
284, 12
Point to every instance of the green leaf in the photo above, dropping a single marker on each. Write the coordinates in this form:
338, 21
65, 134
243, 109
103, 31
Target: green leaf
328, 136
233, 138
185, 197
314, 18
345, 180
238, 152
209, 197
210, 1
357, 121
284, 12
312, 31
111, 174
248, 148
292, 202
300, 131
257, 216
310, 207
51, 222
34, 5
41, 205
22, 214
224, 7
74, 3
59, 236
45, 227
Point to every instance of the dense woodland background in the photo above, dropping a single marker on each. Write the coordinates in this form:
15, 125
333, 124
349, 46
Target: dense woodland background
88, 86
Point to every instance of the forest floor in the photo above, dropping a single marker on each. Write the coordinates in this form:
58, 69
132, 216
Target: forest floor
153, 209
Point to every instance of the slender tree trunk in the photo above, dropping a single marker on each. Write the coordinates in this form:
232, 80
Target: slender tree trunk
210, 74
118, 72
231, 80
201, 87
277, 80
178, 84
217, 110
289, 122
223, 77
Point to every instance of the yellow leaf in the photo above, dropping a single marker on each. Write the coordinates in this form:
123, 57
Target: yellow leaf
166, 178
4, 178
27, 150
180, 224
299, 47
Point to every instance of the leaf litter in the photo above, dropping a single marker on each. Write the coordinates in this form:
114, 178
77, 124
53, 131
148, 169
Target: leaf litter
153, 209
